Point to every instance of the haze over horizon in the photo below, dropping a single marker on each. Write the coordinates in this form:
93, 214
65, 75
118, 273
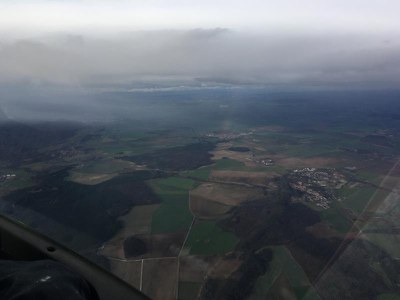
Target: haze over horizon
94, 43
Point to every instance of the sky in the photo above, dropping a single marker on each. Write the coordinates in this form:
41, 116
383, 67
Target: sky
102, 43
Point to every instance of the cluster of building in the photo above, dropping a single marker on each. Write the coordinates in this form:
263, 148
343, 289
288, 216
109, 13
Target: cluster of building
265, 162
227, 136
316, 186
5, 177
65, 153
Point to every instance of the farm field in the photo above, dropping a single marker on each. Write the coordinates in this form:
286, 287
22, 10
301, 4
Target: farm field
220, 194
159, 278
283, 264
173, 213
206, 238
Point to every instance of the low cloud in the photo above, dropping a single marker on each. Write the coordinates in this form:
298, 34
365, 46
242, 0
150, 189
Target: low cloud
231, 56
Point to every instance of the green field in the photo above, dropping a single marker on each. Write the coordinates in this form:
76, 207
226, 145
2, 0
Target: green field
234, 165
389, 297
229, 164
387, 241
300, 144
357, 198
371, 177
282, 262
189, 290
206, 238
173, 214
114, 148
334, 217
123, 140
201, 173
309, 150
105, 166
20, 181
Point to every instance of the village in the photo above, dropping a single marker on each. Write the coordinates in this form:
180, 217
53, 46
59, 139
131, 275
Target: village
316, 185
227, 136
6, 177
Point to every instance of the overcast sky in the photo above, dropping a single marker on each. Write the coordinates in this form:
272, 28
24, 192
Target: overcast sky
330, 42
